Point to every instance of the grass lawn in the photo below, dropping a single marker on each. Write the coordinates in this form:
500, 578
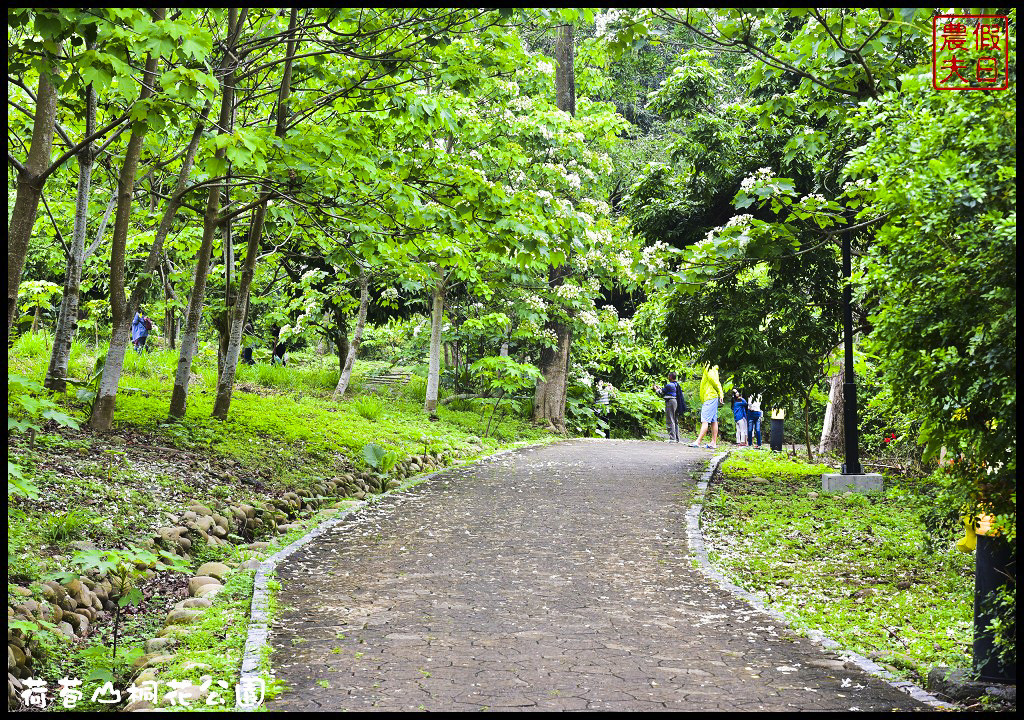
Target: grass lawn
857, 567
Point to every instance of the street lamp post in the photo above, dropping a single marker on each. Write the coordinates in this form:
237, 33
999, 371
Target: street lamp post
850, 420
852, 476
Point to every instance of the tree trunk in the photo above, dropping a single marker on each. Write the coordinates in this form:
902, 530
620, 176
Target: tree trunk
224, 322
153, 261
237, 312
807, 424
170, 305
565, 78
194, 313
236, 317
103, 410
30, 189
67, 318
357, 336
832, 428
434, 371
550, 394
120, 337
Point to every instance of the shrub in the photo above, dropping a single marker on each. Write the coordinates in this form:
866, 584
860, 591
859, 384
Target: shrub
369, 406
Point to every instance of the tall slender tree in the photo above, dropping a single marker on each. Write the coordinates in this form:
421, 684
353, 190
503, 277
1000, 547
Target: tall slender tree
211, 218
550, 394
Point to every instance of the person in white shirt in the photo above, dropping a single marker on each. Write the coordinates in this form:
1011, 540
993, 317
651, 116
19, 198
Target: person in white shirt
754, 420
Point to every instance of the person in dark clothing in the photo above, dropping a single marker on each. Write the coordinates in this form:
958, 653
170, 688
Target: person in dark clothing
280, 354
674, 404
247, 356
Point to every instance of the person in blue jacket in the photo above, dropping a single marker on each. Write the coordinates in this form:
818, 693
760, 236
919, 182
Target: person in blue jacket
739, 413
141, 326
675, 403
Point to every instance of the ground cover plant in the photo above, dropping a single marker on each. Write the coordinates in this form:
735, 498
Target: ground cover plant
78, 492
858, 567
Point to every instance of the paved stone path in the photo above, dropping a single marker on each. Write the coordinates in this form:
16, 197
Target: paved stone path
554, 578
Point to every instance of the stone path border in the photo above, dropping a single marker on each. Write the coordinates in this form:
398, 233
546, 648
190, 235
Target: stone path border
696, 540
259, 626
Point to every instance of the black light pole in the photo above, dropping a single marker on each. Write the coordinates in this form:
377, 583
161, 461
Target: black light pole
850, 431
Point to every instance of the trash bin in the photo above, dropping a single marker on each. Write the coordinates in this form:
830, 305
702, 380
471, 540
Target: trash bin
993, 563
775, 439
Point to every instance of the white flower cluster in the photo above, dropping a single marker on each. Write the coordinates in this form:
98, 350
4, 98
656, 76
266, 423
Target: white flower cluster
545, 67
476, 155
604, 19
523, 102
574, 180
545, 195
564, 207
763, 175
535, 302
858, 184
736, 220
813, 200
569, 291
589, 318
587, 379
390, 294
651, 257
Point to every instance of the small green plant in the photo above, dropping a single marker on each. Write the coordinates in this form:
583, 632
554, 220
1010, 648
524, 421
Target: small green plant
28, 408
89, 388
502, 374
381, 460
124, 568
368, 406
71, 525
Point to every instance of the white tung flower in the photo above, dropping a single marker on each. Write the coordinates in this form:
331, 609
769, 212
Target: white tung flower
739, 220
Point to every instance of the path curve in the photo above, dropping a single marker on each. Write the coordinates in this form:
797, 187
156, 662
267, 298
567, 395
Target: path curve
554, 578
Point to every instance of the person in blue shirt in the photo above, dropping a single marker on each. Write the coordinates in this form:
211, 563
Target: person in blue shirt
739, 413
140, 330
674, 403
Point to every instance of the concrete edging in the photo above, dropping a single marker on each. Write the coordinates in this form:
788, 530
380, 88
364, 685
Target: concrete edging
259, 627
696, 541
